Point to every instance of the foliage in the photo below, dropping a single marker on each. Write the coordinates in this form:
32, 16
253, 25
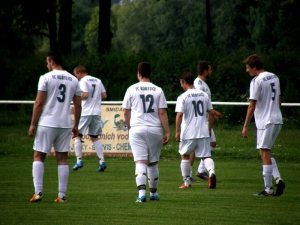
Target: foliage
117, 70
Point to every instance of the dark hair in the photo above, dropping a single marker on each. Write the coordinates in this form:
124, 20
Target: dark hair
188, 78
80, 69
254, 61
56, 57
144, 69
202, 66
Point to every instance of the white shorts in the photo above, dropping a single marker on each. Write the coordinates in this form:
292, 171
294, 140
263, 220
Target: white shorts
146, 143
267, 136
201, 146
46, 137
93, 123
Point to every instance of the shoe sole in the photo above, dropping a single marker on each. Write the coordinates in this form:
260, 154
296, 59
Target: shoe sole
212, 182
38, 200
279, 189
203, 177
261, 195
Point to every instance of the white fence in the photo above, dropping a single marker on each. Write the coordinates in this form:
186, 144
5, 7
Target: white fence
169, 102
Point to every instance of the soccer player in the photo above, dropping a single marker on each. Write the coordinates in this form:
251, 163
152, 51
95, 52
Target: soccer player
145, 114
204, 72
93, 92
56, 90
192, 130
265, 101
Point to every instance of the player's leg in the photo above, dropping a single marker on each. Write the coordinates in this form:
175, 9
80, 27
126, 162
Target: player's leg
140, 157
62, 147
82, 127
42, 146
201, 172
95, 130
186, 147
264, 143
153, 175
38, 175
192, 159
276, 174
154, 143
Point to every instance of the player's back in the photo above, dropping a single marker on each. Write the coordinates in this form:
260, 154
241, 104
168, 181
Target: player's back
267, 94
61, 86
94, 87
201, 85
194, 104
144, 99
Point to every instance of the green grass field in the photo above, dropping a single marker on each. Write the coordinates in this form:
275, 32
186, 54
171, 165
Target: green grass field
109, 197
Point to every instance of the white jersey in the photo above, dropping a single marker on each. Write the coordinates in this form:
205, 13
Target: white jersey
201, 85
61, 86
144, 99
94, 87
194, 105
265, 89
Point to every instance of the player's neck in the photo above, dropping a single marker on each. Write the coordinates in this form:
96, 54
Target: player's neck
57, 67
259, 72
145, 80
202, 77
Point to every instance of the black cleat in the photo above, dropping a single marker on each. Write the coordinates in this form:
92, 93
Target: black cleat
279, 190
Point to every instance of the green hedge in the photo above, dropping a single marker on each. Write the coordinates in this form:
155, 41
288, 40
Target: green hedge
118, 70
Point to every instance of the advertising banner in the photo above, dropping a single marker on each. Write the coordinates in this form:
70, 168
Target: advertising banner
114, 138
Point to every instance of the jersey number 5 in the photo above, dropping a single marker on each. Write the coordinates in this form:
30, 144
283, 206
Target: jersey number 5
273, 90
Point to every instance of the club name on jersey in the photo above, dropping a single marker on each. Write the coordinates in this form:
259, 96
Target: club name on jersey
269, 77
92, 80
61, 77
145, 88
195, 95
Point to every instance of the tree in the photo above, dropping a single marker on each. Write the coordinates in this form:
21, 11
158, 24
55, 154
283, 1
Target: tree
65, 26
208, 23
104, 32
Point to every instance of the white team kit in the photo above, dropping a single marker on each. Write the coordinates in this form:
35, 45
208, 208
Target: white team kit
93, 86
263, 88
61, 86
201, 85
91, 107
194, 105
144, 99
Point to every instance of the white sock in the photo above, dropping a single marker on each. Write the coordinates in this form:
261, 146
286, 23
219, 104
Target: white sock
209, 165
153, 174
275, 171
99, 150
63, 176
78, 149
267, 175
38, 176
191, 171
185, 171
140, 178
201, 167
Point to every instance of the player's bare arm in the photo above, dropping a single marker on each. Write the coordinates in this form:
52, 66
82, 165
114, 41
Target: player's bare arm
250, 112
162, 113
178, 125
84, 95
217, 114
211, 114
37, 111
127, 115
77, 113
103, 96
